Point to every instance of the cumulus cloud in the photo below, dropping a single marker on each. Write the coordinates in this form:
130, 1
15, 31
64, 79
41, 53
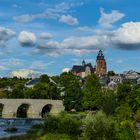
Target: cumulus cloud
68, 19
25, 73
45, 35
108, 19
26, 38
5, 35
126, 37
76, 45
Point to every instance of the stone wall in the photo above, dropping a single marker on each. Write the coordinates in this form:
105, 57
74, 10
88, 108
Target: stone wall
35, 107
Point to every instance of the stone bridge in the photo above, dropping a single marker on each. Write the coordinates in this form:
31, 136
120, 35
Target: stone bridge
35, 107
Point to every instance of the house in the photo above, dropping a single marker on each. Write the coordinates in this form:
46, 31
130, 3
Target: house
131, 74
31, 83
118, 78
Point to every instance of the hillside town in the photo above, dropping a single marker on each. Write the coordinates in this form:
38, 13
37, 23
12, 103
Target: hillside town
108, 79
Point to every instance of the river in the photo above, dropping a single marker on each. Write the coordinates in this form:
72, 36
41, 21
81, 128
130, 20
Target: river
23, 125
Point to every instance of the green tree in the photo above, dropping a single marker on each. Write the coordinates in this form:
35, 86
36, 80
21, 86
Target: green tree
92, 93
28, 92
67, 79
54, 92
44, 78
123, 91
111, 73
73, 97
109, 102
18, 91
41, 91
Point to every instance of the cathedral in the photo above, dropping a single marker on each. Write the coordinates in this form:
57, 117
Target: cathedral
86, 68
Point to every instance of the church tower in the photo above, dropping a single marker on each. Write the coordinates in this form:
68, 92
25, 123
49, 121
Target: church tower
101, 68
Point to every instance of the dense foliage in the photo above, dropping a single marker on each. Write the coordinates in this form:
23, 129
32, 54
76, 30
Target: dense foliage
16, 88
110, 114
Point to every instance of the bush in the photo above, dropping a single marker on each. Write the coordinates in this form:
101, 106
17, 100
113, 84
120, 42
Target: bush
69, 125
125, 121
127, 130
62, 124
109, 102
51, 123
99, 127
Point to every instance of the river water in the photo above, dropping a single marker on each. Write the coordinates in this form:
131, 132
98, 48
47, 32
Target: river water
23, 125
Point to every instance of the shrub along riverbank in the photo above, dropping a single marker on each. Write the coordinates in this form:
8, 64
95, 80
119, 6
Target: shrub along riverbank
97, 126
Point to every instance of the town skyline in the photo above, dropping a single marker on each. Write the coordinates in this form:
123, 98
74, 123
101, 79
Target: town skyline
54, 35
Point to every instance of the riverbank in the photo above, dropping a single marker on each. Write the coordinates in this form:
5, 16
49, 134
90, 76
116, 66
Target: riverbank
78, 127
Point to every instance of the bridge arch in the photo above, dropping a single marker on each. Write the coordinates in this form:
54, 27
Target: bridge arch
22, 110
1, 109
46, 109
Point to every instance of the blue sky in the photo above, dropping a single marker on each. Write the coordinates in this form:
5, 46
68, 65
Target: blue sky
50, 35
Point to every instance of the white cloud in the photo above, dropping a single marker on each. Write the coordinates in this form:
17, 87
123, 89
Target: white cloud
13, 62
38, 65
5, 35
10, 64
68, 19
85, 29
24, 18
108, 19
45, 35
51, 13
66, 70
76, 45
26, 38
25, 73
126, 37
